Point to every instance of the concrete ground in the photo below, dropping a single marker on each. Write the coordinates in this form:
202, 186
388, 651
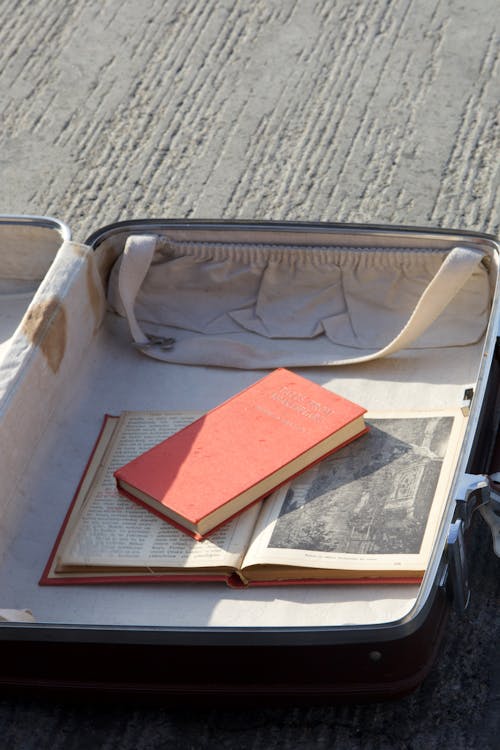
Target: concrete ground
335, 110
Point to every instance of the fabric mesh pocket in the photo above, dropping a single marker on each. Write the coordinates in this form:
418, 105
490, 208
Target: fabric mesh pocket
247, 304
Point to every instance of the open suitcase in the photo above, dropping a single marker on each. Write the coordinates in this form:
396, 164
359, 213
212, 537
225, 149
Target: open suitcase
394, 316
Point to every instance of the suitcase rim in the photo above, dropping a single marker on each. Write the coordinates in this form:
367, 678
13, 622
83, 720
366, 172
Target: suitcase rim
106, 231
31, 647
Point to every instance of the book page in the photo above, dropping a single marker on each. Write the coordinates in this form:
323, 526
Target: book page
374, 505
109, 531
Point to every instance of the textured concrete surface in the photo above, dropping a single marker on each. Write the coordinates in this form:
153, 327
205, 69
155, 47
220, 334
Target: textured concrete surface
330, 110
351, 111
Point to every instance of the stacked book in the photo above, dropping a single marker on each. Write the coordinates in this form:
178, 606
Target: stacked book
284, 483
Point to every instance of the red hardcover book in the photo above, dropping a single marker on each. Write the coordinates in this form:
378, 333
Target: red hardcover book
240, 451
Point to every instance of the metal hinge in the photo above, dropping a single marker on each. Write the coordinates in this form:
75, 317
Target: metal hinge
467, 400
493, 521
480, 492
490, 511
457, 567
473, 492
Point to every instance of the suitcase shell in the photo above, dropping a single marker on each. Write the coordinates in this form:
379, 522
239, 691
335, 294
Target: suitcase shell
300, 642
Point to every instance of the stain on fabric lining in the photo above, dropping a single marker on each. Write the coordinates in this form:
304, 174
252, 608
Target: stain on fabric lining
45, 325
80, 251
106, 256
95, 292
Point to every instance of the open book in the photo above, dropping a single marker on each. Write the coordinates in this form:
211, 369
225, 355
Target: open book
367, 513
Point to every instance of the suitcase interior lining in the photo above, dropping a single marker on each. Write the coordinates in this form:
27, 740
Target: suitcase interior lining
111, 376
